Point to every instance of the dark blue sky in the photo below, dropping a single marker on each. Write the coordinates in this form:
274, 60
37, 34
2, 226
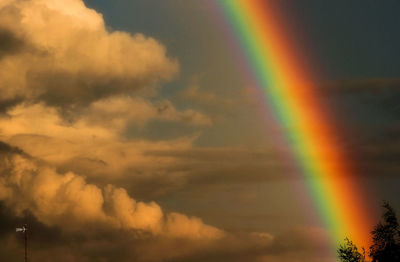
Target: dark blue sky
351, 39
346, 39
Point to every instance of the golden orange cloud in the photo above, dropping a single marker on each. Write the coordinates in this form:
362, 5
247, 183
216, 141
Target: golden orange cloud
68, 201
67, 56
68, 83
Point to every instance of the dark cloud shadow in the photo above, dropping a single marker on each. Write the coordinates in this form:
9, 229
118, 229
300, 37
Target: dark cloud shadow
10, 44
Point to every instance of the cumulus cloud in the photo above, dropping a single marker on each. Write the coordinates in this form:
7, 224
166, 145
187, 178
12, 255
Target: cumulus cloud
66, 84
60, 52
68, 201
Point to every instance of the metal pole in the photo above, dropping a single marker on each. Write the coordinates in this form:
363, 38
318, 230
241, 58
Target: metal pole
26, 242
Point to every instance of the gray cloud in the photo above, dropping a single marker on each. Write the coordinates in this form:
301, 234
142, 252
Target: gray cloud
377, 154
189, 168
362, 85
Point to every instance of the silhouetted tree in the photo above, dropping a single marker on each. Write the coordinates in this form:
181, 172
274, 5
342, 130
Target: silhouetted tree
348, 252
386, 238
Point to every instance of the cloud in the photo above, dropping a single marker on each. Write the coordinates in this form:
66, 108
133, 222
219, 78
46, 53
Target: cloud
297, 244
72, 58
69, 202
195, 93
67, 86
375, 153
89, 222
118, 111
363, 85
122, 240
10, 44
93, 144
225, 165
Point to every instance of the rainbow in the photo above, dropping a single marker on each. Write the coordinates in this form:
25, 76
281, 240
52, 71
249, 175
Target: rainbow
271, 62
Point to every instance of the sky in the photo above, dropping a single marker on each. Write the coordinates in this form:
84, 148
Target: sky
128, 134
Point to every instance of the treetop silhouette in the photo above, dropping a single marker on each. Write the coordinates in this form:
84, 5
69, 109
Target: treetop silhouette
385, 241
